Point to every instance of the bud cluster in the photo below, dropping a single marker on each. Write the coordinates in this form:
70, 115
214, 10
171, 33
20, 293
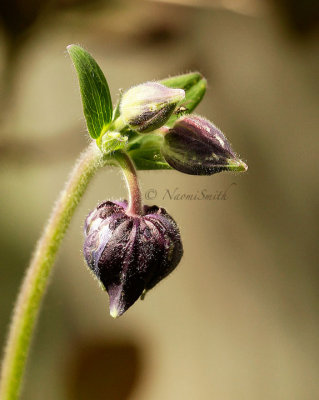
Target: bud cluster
131, 247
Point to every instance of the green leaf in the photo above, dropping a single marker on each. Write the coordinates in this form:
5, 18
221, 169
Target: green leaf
116, 111
185, 81
95, 93
146, 154
194, 85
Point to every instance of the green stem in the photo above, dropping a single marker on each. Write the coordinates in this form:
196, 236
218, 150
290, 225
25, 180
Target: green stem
135, 206
37, 276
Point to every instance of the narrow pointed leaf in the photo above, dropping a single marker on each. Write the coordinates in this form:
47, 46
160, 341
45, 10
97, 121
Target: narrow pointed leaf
185, 81
194, 85
95, 93
116, 111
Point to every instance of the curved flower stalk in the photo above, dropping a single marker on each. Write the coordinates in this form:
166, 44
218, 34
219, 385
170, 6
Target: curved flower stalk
129, 246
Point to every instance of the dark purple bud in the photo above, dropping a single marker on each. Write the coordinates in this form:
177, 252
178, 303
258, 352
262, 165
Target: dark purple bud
196, 146
130, 254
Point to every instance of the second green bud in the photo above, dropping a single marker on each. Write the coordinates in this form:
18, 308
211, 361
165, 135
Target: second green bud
148, 106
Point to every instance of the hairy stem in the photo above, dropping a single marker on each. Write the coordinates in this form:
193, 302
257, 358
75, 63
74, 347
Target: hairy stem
135, 206
37, 276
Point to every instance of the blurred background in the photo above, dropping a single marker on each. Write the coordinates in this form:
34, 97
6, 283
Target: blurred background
239, 318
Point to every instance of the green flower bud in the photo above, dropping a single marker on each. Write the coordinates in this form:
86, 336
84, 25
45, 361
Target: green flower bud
148, 106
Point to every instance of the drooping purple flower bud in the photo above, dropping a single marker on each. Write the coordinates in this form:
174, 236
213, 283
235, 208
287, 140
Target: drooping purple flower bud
196, 146
130, 254
148, 106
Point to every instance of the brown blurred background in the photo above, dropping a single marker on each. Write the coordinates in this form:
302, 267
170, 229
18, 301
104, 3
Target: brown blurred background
239, 318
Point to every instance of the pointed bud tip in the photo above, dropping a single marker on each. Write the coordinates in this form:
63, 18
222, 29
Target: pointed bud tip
237, 165
244, 166
116, 309
114, 312
116, 306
